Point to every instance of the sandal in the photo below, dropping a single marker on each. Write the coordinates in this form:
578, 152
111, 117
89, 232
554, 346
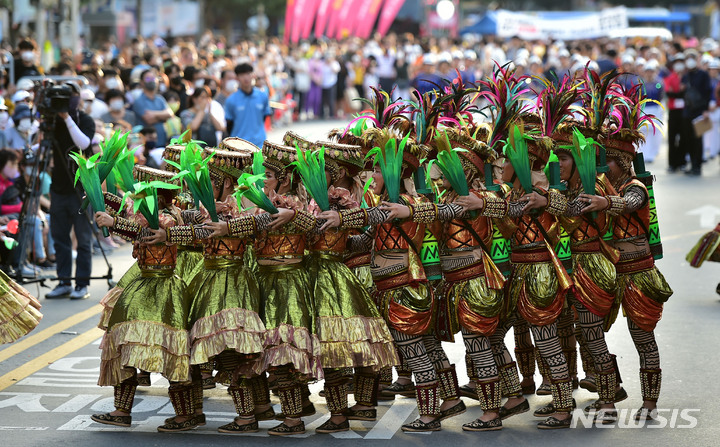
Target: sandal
108, 419
553, 423
549, 409
407, 390
646, 414
173, 426
453, 411
544, 390
620, 395
522, 407
234, 427
478, 425
331, 427
360, 415
267, 415
606, 416
309, 410
285, 430
588, 383
201, 420
468, 391
208, 383
419, 426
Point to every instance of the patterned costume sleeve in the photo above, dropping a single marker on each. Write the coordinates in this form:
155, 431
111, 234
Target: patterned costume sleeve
304, 221
248, 225
362, 217
635, 198
575, 208
191, 216
112, 203
361, 243
126, 229
557, 203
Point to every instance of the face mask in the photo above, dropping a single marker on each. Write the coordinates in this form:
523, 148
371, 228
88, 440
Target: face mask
151, 85
24, 125
117, 104
691, 64
135, 94
174, 106
93, 88
232, 85
150, 145
162, 88
4, 116
10, 172
27, 56
74, 103
212, 93
112, 84
678, 67
199, 83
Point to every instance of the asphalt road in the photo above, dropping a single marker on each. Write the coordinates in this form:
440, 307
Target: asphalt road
48, 379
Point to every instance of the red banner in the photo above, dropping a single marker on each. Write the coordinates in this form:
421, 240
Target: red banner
323, 13
298, 19
333, 17
309, 18
388, 14
368, 23
289, 16
345, 19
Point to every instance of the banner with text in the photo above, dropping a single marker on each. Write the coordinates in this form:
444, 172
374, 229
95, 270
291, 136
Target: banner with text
586, 26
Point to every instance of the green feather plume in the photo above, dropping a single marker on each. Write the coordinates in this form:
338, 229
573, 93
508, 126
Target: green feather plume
390, 160
311, 167
449, 162
516, 150
195, 172
88, 174
248, 188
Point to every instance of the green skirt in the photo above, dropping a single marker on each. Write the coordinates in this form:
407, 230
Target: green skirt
225, 311
189, 263
287, 312
110, 298
147, 330
351, 331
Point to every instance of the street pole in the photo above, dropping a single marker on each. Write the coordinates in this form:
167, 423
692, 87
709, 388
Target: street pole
75, 21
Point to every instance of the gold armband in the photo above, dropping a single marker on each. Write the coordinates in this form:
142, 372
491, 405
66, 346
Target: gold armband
617, 205
304, 220
354, 218
493, 206
180, 234
423, 212
557, 203
242, 227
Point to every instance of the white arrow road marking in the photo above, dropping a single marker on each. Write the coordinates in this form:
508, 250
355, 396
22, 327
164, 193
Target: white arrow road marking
393, 419
708, 215
77, 403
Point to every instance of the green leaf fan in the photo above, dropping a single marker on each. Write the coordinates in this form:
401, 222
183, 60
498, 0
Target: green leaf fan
249, 189
390, 159
516, 150
450, 164
311, 167
88, 174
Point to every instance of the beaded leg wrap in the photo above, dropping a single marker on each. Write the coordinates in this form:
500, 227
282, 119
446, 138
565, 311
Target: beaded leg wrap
542, 366
243, 399
650, 381
448, 383
125, 394
206, 368
588, 364
386, 376
510, 380
470, 367
428, 399
606, 384
336, 391
489, 394
366, 389
291, 400
260, 389
181, 398
562, 395
197, 388
526, 361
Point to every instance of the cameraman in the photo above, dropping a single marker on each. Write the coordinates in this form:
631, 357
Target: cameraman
73, 133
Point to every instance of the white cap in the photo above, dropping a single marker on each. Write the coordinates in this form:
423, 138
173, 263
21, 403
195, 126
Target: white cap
706, 59
714, 64
457, 54
87, 95
652, 64
444, 57
627, 59
20, 95
640, 62
535, 60
564, 53
470, 54
25, 84
429, 59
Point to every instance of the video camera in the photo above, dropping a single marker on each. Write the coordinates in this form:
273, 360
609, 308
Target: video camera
53, 99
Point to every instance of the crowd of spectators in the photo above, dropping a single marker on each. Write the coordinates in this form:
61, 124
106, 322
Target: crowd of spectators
156, 89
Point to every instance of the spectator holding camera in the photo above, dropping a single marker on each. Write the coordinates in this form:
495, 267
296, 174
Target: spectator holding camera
74, 131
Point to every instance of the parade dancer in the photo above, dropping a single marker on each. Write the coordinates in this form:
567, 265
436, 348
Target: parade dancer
19, 311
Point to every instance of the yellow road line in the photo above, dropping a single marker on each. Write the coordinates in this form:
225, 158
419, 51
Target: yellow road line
43, 335
54, 355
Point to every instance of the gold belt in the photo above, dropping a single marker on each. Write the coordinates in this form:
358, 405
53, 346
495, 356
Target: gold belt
280, 268
194, 248
327, 256
635, 265
157, 273
530, 256
221, 263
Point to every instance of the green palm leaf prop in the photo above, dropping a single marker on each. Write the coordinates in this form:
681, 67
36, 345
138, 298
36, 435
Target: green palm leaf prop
88, 174
583, 151
449, 162
110, 150
196, 174
144, 196
311, 167
124, 165
258, 168
516, 150
390, 159
248, 188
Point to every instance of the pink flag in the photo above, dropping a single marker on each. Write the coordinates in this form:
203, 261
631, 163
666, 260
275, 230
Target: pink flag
345, 19
309, 17
359, 15
370, 17
323, 13
289, 16
388, 14
333, 17
298, 19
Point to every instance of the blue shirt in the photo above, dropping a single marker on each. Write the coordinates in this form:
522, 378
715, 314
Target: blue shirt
248, 112
143, 104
